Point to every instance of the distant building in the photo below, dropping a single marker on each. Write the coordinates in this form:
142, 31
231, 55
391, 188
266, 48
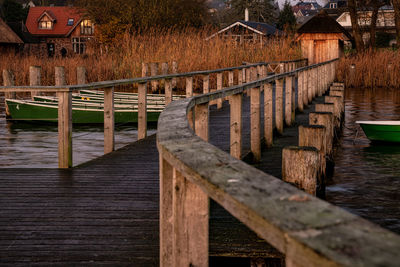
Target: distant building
9, 40
60, 31
305, 5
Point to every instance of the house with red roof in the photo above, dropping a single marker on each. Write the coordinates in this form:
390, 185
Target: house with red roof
61, 30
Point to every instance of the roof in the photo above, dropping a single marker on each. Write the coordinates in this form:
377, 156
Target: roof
305, 6
322, 23
7, 35
59, 14
257, 27
340, 3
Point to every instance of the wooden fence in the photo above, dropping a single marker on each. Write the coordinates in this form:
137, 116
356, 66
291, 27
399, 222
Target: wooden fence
244, 73
309, 231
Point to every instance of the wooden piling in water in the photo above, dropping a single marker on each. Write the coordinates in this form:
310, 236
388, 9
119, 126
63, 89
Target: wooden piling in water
219, 87
168, 91
154, 71
8, 80
236, 126
81, 75
255, 123
288, 100
300, 91
300, 167
174, 71
189, 86
268, 113
34, 79
279, 105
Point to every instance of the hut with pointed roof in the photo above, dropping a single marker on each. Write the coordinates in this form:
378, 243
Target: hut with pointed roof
322, 38
9, 40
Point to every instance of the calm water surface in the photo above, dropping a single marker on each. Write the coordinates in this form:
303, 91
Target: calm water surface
26, 145
367, 176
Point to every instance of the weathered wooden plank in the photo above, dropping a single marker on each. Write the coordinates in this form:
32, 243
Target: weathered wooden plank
189, 86
279, 105
255, 123
268, 115
64, 130
168, 91
288, 100
236, 126
219, 87
142, 110
109, 127
206, 84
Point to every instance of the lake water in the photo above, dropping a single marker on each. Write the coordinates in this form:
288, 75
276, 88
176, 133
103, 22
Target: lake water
367, 176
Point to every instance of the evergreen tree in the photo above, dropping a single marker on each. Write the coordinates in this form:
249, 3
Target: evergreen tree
287, 20
13, 11
259, 10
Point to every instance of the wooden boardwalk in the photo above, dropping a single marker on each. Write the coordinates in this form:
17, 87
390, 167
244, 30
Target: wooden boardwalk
106, 211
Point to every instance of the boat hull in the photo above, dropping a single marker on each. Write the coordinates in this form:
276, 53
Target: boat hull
380, 132
49, 113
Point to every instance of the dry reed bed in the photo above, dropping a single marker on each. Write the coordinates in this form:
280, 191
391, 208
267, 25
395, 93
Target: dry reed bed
373, 69
124, 59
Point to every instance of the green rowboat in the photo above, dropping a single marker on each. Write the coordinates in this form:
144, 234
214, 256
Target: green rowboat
48, 112
381, 131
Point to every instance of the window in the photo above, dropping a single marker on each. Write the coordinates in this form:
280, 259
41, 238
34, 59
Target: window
87, 27
333, 5
70, 22
45, 23
79, 44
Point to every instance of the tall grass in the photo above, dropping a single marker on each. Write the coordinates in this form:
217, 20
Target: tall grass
372, 69
124, 58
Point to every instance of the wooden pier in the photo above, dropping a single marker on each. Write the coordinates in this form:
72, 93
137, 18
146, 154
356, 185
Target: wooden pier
182, 200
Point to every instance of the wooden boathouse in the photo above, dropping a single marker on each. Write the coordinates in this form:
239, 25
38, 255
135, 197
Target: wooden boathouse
185, 197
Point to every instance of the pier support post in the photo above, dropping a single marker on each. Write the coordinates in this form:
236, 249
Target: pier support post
166, 224
279, 105
305, 88
268, 113
219, 87
154, 72
236, 126
81, 75
325, 119
174, 71
230, 79
142, 111
310, 86
109, 125
300, 167
288, 99
34, 79
300, 91
8, 80
189, 86
64, 130
255, 123
206, 84
168, 91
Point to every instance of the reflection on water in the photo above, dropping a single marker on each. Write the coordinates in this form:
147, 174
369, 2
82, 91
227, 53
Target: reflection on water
25, 145
367, 176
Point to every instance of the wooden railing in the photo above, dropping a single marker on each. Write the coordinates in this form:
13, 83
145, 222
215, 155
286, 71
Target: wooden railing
309, 231
245, 73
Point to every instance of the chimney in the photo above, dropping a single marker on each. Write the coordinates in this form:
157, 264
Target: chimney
246, 14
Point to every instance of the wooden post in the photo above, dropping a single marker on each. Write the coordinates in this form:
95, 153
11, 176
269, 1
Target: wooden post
230, 79
248, 75
190, 225
142, 110
174, 71
206, 84
240, 77
293, 99
255, 123
305, 88
288, 100
300, 167
166, 223
268, 113
236, 126
164, 68
154, 72
279, 105
190, 118
219, 87
64, 130
300, 91
145, 69
168, 91
189, 86
315, 136
8, 80
310, 85
202, 121
59, 76
109, 137
325, 119
34, 79
81, 75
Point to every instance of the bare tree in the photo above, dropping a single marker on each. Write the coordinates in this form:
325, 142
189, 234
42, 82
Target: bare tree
352, 5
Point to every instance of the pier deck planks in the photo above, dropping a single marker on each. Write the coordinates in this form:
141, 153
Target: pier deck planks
106, 211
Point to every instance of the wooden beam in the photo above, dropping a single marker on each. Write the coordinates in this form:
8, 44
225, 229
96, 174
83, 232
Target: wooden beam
142, 111
255, 123
300, 91
174, 71
236, 126
206, 84
189, 86
64, 130
268, 113
279, 105
288, 100
109, 135
34, 79
219, 87
168, 91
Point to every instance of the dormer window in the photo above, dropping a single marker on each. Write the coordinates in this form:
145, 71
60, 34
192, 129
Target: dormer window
45, 23
332, 5
70, 22
87, 27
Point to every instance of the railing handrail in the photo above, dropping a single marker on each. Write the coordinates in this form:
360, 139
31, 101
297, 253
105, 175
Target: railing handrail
113, 83
306, 229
